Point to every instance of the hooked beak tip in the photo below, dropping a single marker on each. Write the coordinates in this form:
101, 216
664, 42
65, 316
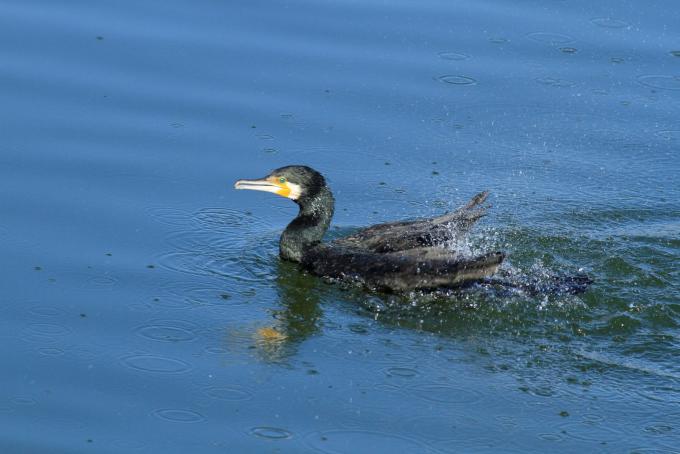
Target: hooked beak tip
257, 185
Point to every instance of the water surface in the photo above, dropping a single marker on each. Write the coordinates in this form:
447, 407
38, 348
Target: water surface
144, 308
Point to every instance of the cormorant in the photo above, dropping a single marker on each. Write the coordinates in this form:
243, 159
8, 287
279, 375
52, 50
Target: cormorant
395, 257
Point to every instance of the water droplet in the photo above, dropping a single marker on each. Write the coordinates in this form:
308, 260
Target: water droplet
155, 364
453, 79
178, 415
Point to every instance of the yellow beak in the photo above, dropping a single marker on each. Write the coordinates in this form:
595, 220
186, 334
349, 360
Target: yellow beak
268, 184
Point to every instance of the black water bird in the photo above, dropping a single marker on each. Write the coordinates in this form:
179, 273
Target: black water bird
396, 256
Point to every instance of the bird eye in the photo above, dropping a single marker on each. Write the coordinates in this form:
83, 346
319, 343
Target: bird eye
282, 180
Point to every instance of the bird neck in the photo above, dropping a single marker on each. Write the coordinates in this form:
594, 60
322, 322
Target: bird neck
310, 225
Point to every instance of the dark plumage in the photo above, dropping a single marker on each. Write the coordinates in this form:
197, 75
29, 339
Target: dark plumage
396, 256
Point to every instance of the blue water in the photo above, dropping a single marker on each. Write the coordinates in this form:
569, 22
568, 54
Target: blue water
144, 308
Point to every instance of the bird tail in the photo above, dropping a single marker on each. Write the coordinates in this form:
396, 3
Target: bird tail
466, 215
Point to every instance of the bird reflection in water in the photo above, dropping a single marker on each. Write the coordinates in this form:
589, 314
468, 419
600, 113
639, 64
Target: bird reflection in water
297, 318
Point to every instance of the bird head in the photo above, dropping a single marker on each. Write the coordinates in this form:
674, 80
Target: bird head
294, 182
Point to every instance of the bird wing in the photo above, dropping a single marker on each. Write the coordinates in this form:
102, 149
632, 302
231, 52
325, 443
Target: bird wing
417, 268
405, 235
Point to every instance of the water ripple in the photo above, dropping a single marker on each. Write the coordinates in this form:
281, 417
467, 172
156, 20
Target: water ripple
170, 215
363, 441
229, 393
599, 434
50, 351
453, 79
47, 330
456, 56
662, 82
178, 415
669, 134
46, 311
555, 82
271, 433
220, 218
23, 401
550, 38
431, 427
168, 331
443, 393
156, 364
608, 22
402, 372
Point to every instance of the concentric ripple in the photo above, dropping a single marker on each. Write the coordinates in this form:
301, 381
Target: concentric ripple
662, 82
555, 82
168, 331
609, 22
47, 330
445, 393
156, 364
454, 79
46, 311
401, 372
178, 415
455, 56
50, 351
169, 215
228, 393
550, 38
271, 433
362, 441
